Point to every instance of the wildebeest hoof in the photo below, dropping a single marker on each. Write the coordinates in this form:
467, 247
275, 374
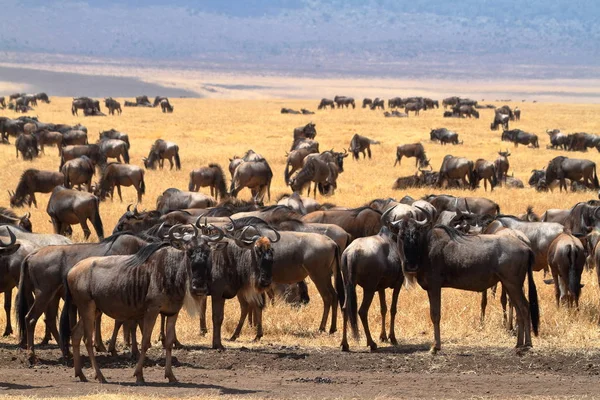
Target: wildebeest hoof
171, 378
383, 338
345, 347
393, 341
218, 347
233, 338
81, 377
100, 378
177, 345
332, 331
100, 348
203, 332
257, 339
434, 350
45, 341
373, 346
7, 332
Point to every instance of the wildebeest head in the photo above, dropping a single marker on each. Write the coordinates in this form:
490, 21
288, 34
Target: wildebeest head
6, 249
536, 176
339, 159
135, 221
412, 242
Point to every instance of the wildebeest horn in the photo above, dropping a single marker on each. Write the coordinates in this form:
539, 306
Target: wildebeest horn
277, 236
345, 151
215, 238
385, 214
26, 216
129, 207
427, 218
171, 233
135, 210
13, 239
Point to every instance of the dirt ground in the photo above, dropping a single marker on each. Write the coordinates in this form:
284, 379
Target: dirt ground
267, 371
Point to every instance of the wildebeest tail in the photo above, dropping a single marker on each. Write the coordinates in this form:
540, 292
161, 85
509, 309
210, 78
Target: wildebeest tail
596, 184
62, 161
574, 281
97, 221
534, 307
23, 293
177, 160
142, 184
191, 185
350, 307
65, 323
286, 173
339, 281
126, 155
66, 176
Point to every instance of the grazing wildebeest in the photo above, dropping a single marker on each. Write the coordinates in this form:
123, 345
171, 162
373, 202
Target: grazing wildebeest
450, 101
212, 176
45, 137
255, 175
326, 102
69, 207
412, 150
485, 170
430, 103
561, 168
501, 164
440, 256
43, 97
27, 145
11, 127
307, 131
366, 102
518, 136
166, 106
456, 168
475, 205
92, 151
84, 103
465, 111
375, 264
415, 107
323, 174
343, 101
32, 181
444, 136
8, 217
378, 103
117, 175
160, 151
558, 139
114, 134
295, 161
74, 137
174, 199
500, 120
360, 144
159, 99
143, 101
78, 171
112, 105
358, 222
566, 257
114, 148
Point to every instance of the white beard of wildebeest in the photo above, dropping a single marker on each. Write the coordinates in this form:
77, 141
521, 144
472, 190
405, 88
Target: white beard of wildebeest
410, 245
265, 267
201, 265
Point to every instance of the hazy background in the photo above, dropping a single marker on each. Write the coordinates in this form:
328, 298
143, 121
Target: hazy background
433, 38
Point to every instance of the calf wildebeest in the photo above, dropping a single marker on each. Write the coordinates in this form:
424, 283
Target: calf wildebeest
158, 100
74, 137
440, 256
166, 107
343, 101
475, 205
212, 176
45, 137
117, 175
160, 151
326, 102
27, 145
114, 134
444, 136
566, 257
69, 207
92, 151
358, 222
375, 264
360, 144
8, 217
318, 171
307, 131
456, 168
483, 169
366, 102
518, 136
255, 175
32, 181
114, 148
415, 107
78, 171
561, 168
501, 164
412, 150
174, 199
112, 105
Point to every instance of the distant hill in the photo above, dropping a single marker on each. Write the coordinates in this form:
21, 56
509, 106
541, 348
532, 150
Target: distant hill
372, 37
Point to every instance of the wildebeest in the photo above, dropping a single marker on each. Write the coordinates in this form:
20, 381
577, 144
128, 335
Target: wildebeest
15, 96
456, 168
440, 256
326, 102
174, 199
322, 173
304, 111
114, 134
295, 161
378, 103
32, 181
465, 111
501, 164
475, 205
561, 168
166, 107
483, 169
92, 151
444, 136
300, 204
74, 137
45, 137
366, 102
43, 97
500, 120
27, 145
358, 222
160, 151
112, 105
159, 99
8, 217
566, 257
69, 207
290, 111
412, 150
375, 264
117, 175
212, 176
84, 103
343, 101
395, 114
558, 139
3, 102
360, 144
307, 131
415, 107
78, 171
450, 101
255, 175
518, 136
517, 114
114, 148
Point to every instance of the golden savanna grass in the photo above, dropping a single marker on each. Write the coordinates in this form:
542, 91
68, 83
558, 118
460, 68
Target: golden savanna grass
214, 130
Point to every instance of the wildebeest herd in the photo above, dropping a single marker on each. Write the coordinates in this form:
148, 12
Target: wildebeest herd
217, 246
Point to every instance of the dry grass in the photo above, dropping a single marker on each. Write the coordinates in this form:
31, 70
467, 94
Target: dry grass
214, 130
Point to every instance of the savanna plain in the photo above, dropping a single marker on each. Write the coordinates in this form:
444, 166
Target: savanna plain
293, 359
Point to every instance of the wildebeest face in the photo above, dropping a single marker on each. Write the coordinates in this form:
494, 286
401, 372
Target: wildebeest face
411, 236
25, 222
264, 253
201, 267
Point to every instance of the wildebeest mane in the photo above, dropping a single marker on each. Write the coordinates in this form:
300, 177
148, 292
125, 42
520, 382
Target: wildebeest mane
144, 254
6, 212
455, 234
356, 211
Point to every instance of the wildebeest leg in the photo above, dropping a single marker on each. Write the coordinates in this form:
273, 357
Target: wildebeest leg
171, 320
171, 162
135, 351
89, 314
51, 314
483, 306
393, 310
363, 312
345, 346
515, 292
383, 308
76, 340
244, 308
85, 228
435, 310
38, 307
161, 335
218, 306
258, 310
112, 344
33, 200
148, 323
119, 192
203, 329
503, 301
329, 297
369, 152
98, 343
7, 305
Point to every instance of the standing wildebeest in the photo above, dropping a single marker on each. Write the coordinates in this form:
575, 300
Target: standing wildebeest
360, 144
485, 170
212, 176
378, 103
166, 106
412, 150
8, 217
465, 111
295, 161
440, 256
27, 145
558, 139
358, 222
450, 101
160, 151
74, 137
114, 148
456, 168
45, 137
566, 257
15, 96
92, 151
500, 120
117, 175
518, 136
367, 102
561, 168
174, 199
322, 173
255, 175
158, 100
112, 105
326, 102
501, 164
375, 264
69, 207
43, 97
307, 131
415, 107
430, 103
114, 134
78, 171
32, 181
343, 101
444, 136
84, 103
